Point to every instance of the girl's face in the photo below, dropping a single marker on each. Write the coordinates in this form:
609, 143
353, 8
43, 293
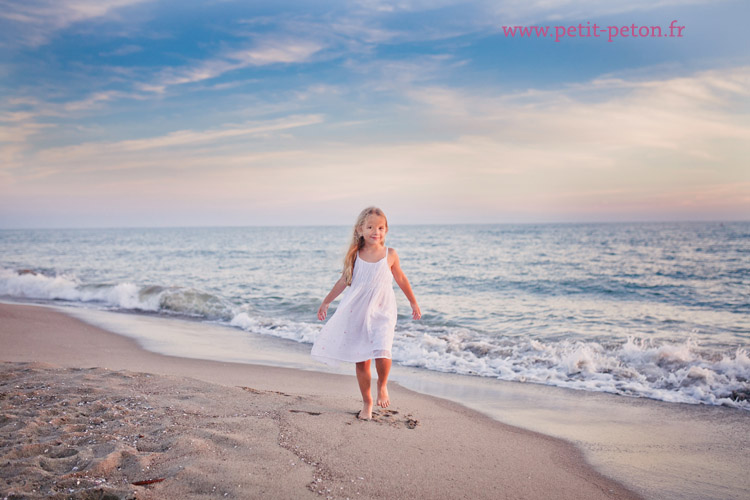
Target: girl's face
374, 230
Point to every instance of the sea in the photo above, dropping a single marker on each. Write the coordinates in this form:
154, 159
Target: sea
647, 310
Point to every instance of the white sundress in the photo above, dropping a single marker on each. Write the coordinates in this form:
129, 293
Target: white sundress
362, 326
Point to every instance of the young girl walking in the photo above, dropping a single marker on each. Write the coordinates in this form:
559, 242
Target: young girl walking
362, 326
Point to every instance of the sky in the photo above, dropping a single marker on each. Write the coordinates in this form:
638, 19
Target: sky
119, 113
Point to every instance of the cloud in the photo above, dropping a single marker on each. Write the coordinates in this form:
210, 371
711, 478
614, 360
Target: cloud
27, 112
15, 116
94, 100
19, 134
675, 113
34, 22
17, 128
537, 11
272, 50
386, 75
180, 144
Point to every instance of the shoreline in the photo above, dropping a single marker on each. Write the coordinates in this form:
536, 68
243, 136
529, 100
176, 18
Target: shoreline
422, 445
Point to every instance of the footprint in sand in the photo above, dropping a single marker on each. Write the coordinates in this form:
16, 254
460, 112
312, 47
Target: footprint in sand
313, 413
64, 453
392, 418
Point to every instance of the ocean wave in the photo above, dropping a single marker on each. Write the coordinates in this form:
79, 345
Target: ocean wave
672, 372
285, 329
175, 300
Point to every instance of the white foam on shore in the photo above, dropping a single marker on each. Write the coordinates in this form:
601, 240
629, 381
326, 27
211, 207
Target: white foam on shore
672, 372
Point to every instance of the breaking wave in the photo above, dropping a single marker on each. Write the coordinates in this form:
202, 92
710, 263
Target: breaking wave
672, 372
30, 284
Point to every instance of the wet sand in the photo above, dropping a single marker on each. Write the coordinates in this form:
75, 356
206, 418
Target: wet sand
85, 413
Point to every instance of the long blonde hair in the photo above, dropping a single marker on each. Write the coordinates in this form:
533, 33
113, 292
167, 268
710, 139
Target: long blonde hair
358, 241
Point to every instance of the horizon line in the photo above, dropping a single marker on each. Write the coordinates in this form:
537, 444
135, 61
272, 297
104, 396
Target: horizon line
543, 223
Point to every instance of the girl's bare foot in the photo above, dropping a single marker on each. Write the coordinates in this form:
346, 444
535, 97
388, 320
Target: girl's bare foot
383, 399
366, 412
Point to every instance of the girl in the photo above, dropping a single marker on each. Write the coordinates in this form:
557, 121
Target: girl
362, 326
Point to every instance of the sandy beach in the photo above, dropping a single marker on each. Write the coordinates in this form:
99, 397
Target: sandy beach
89, 414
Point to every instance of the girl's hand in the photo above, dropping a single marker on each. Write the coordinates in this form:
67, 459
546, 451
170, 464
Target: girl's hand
415, 312
322, 311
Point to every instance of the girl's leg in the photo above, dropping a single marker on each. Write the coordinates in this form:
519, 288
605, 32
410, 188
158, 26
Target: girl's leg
383, 367
364, 379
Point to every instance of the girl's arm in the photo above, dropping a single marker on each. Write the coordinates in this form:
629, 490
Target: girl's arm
338, 287
403, 283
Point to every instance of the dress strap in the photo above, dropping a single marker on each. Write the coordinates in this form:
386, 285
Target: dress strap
368, 262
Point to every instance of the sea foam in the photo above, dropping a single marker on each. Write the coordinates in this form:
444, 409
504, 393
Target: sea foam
674, 372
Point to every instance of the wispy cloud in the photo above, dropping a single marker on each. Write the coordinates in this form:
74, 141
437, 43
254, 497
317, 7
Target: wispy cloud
16, 131
674, 113
533, 11
100, 154
271, 50
93, 100
33, 22
26, 114
397, 75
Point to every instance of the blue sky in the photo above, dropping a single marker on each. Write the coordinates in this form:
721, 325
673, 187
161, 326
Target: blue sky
160, 113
